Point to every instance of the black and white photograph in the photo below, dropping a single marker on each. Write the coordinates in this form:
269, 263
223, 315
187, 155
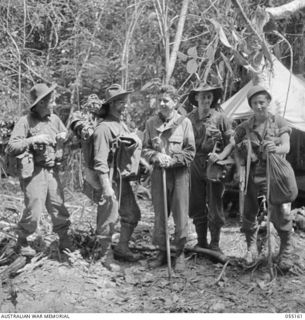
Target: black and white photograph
152, 159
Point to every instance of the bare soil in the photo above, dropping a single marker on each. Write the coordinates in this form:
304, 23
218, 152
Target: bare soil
91, 281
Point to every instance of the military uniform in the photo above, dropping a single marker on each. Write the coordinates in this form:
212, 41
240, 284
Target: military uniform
43, 188
176, 139
274, 127
103, 137
206, 206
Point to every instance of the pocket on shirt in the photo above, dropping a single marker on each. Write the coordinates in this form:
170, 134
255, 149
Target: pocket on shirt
175, 143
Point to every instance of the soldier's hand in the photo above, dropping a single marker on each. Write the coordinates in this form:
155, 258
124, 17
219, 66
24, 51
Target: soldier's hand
214, 157
169, 163
162, 160
145, 167
269, 146
61, 137
108, 192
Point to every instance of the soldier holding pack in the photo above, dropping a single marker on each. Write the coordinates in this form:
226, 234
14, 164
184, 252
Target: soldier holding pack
34, 143
113, 188
212, 131
262, 135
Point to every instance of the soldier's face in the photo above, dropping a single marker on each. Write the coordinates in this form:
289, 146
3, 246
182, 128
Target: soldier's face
119, 105
204, 100
260, 105
45, 106
167, 104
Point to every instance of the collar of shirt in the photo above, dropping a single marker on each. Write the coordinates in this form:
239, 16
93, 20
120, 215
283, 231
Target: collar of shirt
36, 116
202, 120
252, 124
113, 118
163, 126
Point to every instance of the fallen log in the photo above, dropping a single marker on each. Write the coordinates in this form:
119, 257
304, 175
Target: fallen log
214, 255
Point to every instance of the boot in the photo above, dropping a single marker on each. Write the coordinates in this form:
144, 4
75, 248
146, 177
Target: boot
252, 253
286, 248
202, 230
215, 236
179, 257
180, 262
159, 261
24, 248
122, 251
66, 242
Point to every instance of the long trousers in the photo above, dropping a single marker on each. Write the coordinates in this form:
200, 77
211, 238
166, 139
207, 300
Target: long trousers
108, 210
177, 190
257, 185
206, 203
43, 189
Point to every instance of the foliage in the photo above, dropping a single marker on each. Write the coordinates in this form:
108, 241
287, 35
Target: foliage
84, 46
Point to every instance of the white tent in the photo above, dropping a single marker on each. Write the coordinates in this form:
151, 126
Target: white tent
237, 106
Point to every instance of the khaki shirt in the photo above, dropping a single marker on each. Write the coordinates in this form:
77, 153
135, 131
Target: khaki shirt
175, 138
31, 125
103, 137
215, 128
272, 131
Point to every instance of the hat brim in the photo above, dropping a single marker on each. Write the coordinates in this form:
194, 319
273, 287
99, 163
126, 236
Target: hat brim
256, 93
43, 96
117, 96
217, 92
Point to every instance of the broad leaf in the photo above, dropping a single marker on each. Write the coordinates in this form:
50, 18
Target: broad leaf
191, 66
192, 52
182, 56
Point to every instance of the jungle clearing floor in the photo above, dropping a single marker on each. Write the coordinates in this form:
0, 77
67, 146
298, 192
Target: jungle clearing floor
84, 282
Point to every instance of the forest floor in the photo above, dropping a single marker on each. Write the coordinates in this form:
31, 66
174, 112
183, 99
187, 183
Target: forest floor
91, 281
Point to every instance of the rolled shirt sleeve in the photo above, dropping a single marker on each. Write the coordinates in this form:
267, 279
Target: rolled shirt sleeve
18, 141
102, 142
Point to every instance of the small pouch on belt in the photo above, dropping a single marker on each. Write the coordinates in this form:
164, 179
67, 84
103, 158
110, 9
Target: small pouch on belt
25, 165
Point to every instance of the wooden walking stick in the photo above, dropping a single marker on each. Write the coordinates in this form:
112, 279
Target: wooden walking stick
270, 264
168, 251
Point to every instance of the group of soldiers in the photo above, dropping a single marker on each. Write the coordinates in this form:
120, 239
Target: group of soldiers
182, 146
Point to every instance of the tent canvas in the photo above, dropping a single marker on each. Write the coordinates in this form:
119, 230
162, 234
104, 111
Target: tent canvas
278, 83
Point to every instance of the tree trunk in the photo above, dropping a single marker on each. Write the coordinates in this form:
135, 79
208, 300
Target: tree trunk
178, 36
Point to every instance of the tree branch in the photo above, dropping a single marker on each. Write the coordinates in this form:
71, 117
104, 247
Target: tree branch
286, 10
255, 32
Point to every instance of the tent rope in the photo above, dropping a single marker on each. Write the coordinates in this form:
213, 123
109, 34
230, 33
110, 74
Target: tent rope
290, 70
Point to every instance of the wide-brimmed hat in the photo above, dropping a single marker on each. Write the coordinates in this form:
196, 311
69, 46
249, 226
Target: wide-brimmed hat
256, 90
38, 92
217, 92
114, 92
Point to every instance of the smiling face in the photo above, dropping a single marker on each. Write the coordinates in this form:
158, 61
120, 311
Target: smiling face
205, 100
167, 105
260, 105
